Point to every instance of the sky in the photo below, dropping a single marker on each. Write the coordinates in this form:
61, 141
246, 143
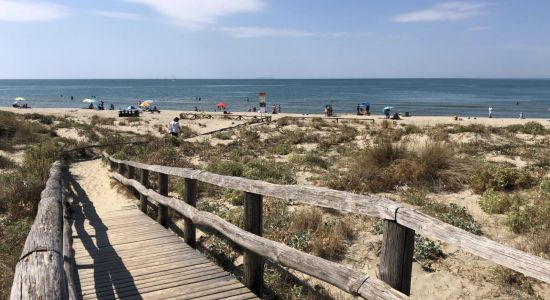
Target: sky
69, 39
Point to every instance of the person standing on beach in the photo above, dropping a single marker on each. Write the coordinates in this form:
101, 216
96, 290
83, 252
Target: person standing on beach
174, 127
490, 111
279, 109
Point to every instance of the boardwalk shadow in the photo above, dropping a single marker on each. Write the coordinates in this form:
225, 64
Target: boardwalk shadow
110, 276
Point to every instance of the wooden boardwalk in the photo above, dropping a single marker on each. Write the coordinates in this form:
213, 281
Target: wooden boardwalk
120, 253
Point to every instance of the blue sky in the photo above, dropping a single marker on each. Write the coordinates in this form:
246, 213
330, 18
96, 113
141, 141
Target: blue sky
274, 38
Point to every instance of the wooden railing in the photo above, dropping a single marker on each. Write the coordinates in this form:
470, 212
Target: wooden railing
400, 226
44, 270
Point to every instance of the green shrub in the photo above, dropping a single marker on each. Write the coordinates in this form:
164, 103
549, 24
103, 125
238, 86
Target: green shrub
6, 163
225, 167
534, 128
453, 214
223, 135
234, 196
515, 284
38, 160
309, 159
520, 218
282, 149
411, 129
97, 120
426, 249
499, 178
414, 196
46, 120
545, 187
269, 171
493, 203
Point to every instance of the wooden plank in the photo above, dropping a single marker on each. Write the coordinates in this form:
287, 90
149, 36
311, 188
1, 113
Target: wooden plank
135, 273
397, 256
253, 264
342, 277
140, 287
222, 295
153, 277
208, 284
143, 243
163, 244
107, 260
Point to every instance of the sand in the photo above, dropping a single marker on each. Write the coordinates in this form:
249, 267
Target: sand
151, 122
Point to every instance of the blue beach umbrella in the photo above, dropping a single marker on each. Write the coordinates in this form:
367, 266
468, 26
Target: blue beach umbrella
388, 108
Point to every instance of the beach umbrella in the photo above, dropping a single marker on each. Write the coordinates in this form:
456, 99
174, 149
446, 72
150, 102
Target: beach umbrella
89, 101
145, 104
388, 108
131, 107
221, 104
20, 99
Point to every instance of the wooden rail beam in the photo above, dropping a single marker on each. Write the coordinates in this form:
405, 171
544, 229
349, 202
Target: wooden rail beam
162, 216
253, 263
190, 232
397, 256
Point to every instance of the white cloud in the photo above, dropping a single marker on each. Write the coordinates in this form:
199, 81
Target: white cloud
479, 28
444, 12
118, 15
31, 11
197, 13
256, 32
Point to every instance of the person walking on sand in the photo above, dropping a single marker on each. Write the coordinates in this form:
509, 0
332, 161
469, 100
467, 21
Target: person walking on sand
490, 111
174, 127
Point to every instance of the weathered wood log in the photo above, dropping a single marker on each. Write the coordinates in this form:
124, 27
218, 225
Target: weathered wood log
338, 200
397, 256
162, 216
514, 259
519, 261
349, 280
39, 272
190, 232
253, 263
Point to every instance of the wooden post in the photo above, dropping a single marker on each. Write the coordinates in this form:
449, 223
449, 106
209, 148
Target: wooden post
145, 182
397, 256
191, 199
131, 171
162, 217
120, 168
253, 263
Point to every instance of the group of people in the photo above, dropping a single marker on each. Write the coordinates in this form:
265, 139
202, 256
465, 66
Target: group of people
276, 109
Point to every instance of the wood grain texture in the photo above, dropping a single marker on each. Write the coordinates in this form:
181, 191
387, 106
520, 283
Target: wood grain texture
514, 259
39, 273
253, 263
397, 256
375, 206
338, 200
190, 232
349, 280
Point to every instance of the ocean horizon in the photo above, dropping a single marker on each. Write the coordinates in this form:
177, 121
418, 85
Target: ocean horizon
418, 96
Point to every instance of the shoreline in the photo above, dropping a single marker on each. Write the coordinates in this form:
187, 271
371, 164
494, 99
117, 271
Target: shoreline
167, 115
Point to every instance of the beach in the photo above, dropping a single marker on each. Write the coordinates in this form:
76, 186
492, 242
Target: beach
151, 121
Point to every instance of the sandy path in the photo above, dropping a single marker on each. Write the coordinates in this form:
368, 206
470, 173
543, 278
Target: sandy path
94, 178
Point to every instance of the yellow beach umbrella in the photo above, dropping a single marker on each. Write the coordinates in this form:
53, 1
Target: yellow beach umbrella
19, 99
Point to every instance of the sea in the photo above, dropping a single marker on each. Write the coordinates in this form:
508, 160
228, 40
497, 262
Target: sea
427, 97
